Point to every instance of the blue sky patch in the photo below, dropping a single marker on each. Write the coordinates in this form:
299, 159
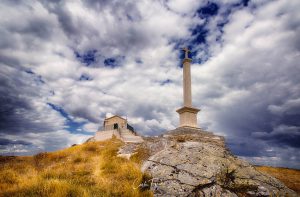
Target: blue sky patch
199, 34
72, 126
60, 110
242, 3
210, 9
245, 2
85, 77
114, 61
110, 62
88, 57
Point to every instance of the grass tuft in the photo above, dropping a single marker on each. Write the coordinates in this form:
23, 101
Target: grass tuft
9, 177
50, 188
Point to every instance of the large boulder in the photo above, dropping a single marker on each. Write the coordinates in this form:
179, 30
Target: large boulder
192, 162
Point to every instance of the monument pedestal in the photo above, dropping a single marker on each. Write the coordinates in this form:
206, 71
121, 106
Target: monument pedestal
188, 116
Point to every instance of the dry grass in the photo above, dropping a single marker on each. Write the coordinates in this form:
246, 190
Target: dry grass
290, 177
91, 169
141, 155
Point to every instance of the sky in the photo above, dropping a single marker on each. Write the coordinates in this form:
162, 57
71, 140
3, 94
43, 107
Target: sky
66, 65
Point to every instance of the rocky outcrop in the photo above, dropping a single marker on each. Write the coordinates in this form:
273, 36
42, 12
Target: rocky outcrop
192, 162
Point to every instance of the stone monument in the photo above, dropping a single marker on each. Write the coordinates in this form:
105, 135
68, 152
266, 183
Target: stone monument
187, 113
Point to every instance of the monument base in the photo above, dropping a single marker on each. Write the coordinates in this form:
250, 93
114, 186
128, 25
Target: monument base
188, 116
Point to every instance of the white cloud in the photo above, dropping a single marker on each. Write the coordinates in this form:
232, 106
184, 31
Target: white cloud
184, 7
41, 142
91, 127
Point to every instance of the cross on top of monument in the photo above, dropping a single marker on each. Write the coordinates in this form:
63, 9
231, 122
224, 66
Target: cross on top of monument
186, 52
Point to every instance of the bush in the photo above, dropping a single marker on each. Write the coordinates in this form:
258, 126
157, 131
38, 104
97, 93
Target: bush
145, 182
226, 177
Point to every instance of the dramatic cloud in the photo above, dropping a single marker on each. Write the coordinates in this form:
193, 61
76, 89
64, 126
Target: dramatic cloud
66, 65
252, 82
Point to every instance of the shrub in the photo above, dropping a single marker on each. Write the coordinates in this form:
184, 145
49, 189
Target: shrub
145, 182
226, 177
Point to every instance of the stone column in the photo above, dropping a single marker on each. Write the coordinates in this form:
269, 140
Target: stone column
187, 113
187, 90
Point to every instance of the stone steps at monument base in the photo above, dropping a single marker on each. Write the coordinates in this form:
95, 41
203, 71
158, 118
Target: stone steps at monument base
124, 132
127, 132
129, 136
197, 134
132, 139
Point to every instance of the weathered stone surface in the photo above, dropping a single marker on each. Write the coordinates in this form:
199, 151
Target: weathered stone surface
212, 190
128, 150
191, 162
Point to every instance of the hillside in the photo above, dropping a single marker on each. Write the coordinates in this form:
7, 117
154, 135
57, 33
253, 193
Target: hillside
290, 177
91, 169
178, 163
